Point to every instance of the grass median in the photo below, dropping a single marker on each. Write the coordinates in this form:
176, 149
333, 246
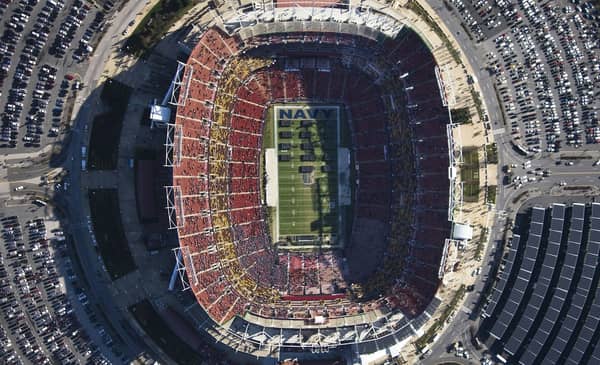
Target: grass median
469, 174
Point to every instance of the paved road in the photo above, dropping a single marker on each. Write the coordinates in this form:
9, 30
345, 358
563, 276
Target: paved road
475, 55
447, 360
25, 169
84, 106
582, 173
110, 41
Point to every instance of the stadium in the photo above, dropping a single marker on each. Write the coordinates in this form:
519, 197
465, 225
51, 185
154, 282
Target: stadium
313, 179
294, 182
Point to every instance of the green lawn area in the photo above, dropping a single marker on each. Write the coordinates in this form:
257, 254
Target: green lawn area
461, 116
268, 130
469, 174
156, 23
491, 194
491, 151
108, 228
308, 201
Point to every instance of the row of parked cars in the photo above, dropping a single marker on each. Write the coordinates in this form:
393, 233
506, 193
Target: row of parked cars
24, 44
33, 45
84, 48
66, 32
548, 76
40, 326
484, 17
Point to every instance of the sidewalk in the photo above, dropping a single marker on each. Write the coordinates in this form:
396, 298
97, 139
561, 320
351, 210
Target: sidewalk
24, 155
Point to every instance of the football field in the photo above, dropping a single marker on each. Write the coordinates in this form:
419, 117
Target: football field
307, 138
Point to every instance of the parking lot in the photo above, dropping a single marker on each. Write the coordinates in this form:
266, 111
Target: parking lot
545, 64
42, 48
49, 313
46, 315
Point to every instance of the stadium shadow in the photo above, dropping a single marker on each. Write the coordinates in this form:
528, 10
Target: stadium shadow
139, 314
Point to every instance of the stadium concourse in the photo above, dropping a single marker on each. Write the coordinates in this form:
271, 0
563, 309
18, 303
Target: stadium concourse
381, 289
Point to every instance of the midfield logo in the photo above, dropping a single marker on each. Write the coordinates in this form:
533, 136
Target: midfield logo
308, 113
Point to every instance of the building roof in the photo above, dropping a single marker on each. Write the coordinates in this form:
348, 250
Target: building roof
462, 232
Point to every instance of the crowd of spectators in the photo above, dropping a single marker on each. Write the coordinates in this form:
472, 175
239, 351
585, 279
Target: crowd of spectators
306, 3
428, 219
236, 267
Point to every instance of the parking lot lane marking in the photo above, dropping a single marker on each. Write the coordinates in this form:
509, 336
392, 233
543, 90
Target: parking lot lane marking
575, 173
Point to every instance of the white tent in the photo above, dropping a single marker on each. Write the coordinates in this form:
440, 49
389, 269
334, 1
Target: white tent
462, 232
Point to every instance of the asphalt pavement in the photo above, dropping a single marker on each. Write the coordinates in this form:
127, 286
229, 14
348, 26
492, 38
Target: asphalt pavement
77, 202
582, 173
25, 167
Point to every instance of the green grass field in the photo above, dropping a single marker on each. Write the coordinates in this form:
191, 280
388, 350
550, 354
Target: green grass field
307, 138
469, 174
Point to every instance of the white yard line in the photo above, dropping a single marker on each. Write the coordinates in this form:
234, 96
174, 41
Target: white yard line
275, 137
